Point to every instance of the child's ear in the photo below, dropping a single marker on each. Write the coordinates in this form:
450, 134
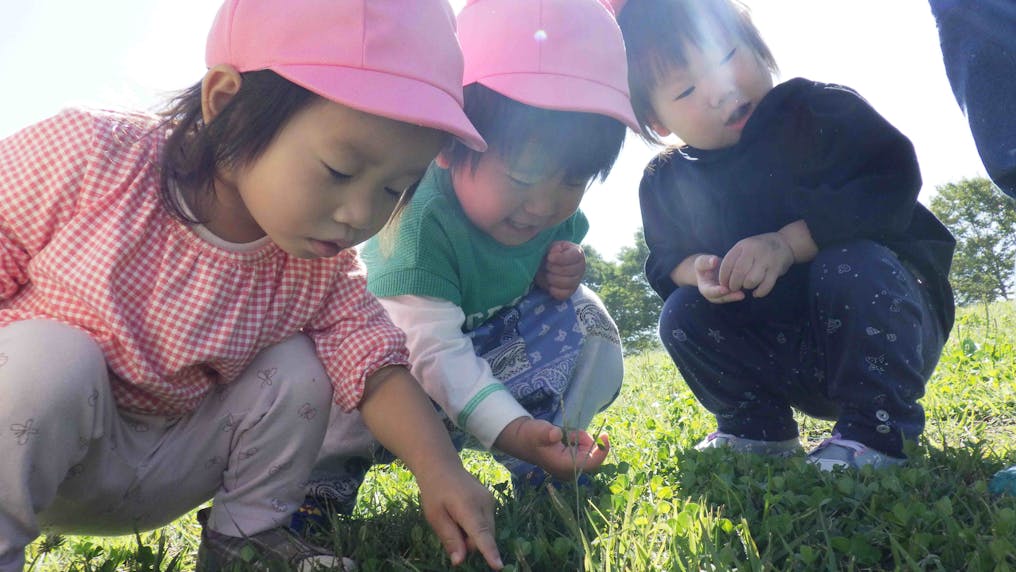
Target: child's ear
659, 129
444, 158
218, 87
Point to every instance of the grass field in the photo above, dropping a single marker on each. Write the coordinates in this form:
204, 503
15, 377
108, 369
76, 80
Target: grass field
661, 506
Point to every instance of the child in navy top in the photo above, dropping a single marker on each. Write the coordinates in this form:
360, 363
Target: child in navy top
798, 268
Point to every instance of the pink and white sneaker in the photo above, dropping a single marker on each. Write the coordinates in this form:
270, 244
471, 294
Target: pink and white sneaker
839, 452
720, 440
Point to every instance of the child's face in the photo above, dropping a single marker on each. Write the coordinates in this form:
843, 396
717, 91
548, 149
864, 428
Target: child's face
328, 181
513, 203
707, 103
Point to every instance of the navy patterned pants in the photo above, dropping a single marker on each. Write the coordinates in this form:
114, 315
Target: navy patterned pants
852, 336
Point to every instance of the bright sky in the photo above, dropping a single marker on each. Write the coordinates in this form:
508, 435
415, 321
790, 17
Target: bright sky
130, 53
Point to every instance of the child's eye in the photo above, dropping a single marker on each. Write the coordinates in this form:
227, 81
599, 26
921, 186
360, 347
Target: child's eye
519, 182
337, 175
729, 56
685, 93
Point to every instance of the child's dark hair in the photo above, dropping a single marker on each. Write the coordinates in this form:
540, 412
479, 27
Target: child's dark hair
585, 145
656, 32
194, 152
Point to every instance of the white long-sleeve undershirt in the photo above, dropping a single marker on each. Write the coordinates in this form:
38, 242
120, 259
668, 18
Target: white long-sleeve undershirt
451, 373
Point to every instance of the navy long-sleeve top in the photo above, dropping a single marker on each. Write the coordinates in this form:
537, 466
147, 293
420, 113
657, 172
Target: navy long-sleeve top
812, 151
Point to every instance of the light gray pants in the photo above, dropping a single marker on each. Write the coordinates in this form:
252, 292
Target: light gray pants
73, 463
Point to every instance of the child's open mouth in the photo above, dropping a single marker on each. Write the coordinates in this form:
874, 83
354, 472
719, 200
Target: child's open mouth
740, 116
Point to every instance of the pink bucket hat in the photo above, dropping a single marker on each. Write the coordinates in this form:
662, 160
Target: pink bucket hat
556, 54
392, 58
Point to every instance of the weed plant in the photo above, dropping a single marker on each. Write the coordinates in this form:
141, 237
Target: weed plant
660, 505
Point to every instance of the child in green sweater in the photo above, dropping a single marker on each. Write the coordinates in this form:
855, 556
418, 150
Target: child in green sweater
483, 269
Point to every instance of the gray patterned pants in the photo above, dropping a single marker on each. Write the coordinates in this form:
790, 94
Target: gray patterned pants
74, 463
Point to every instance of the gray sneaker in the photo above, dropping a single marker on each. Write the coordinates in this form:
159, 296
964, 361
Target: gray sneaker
838, 452
719, 440
278, 549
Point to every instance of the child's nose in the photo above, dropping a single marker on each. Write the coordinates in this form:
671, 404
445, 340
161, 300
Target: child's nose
358, 209
721, 90
541, 205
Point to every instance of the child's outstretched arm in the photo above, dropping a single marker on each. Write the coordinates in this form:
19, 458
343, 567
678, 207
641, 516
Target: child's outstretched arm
457, 506
462, 384
543, 444
562, 269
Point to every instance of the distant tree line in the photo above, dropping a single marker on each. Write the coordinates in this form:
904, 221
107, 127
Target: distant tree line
623, 287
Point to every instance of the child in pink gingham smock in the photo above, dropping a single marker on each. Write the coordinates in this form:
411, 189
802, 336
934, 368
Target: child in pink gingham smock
180, 301
86, 241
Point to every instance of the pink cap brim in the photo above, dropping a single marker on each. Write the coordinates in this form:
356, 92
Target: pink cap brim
388, 95
564, 93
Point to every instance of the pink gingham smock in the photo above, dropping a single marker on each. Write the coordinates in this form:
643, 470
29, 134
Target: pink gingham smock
85, 240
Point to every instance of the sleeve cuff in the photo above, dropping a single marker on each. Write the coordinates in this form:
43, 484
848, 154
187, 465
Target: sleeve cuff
489, 412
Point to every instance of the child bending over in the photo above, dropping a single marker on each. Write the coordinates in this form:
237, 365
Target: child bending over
483, 270
181, 303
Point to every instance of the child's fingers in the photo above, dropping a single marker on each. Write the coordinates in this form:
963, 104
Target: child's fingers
755, 277
572, 258
564, 252
577, 438
587, 454
563, 278
740, 270
566, 270
488, 548
727, 267
735, 296
706, 263
570, 271
541, 433
451, 537
595, 458
713, 292
767, 284
554, 434
479, 528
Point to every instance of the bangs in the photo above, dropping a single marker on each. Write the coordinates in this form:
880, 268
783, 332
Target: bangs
657, 34
582, 145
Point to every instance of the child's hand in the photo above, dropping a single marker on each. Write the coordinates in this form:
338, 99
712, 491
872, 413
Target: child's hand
461, 512
562, 269
541, 443
755, 263
458, 508
709, 285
